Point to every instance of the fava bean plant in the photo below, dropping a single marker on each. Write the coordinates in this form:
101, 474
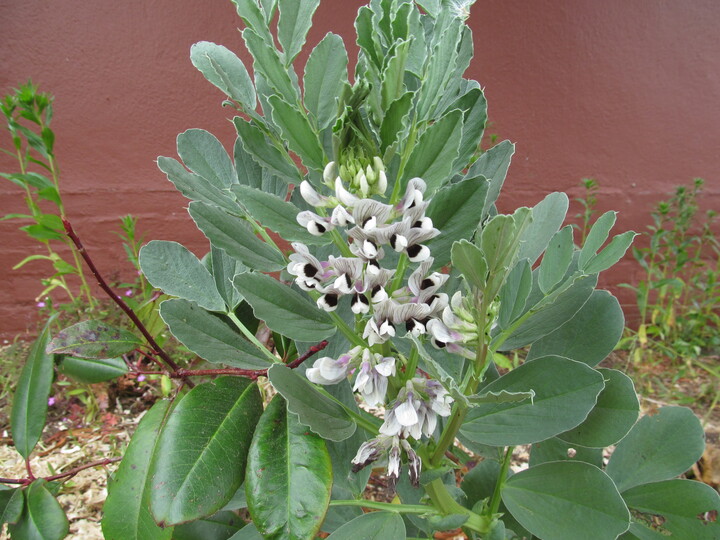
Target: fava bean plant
358, 262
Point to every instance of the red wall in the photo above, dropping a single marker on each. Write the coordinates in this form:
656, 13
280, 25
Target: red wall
626, 92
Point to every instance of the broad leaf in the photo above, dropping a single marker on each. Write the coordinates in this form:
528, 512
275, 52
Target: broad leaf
11, 504
437, 148
613, 416
171, 267
454, 211
493, 165
293, 25
42, 518
203, 154
126, 512
93, 339
566, 501
219, 526
299, 134
602, 313
212, 337
514, 293
283, 309
225, 70
565, 392
395, 121
556, 260
206, 436
234, 236
325, 77
658, 448
288, 476
372, 526
596, 237
267, 62
30, 402
223, 269
470, 262
474, 107
277, 215
93, 370
611, 254
547, 218
680, 503
554, 449
321, 414
265, 153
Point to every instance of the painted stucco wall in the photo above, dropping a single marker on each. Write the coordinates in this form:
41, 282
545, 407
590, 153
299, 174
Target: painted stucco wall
626, 92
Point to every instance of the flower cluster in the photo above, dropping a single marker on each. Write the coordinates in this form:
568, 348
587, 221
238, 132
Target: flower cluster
385, 302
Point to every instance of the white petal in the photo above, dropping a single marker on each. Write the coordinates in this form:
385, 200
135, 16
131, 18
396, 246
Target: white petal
311, 196
406, 413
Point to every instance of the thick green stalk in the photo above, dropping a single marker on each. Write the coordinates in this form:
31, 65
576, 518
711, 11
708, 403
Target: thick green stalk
442, 500
388, 507
497, 493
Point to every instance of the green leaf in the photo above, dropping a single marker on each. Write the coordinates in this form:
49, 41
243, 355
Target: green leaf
395, 120
554, 449
203, 154
596, 237
288, 476
565, 501
293, 25
565, 392
612, 253
40, 232
207, 436
252, 15
392, 78
547, 218
372, 526
195, 187
299, 134
248, 532
680, 503
223, 269
235, 237
93, 339
93, 370
321, 414
283, 309
613, 416
171, 267
453, 211
212, 337
474, 107
433, 156
219, 526
658, 448
556, 260
225, 70
470, 262
503, 396
265, 152
126, 512
30, 403
268, 63
42, 518
514, 293
11, 504
439, 69
549, 314
602, 313
277, 215
325, 77
493, 165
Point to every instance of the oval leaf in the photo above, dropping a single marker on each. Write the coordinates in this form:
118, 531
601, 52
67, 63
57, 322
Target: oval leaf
325, 77
566, 500
171, 267
11, 504
565, 392
288, 476
283, 309
91, 371
615, 413
93, 339
323, 415
659, 447
30, 403
203, 154
126, 512
225, 70
42, 517
372, 526
199, 460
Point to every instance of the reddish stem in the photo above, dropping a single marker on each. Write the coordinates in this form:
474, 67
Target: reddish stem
68, 474
120, 303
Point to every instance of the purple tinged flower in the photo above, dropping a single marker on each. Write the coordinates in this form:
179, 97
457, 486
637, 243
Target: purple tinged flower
140, 378
128, 292
394, 464
414, 462
372, 377
51, 401
40, 304
327, 370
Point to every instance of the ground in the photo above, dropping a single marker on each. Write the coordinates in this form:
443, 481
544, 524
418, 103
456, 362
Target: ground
83, 429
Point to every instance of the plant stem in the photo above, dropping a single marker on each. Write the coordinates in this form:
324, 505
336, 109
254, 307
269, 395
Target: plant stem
447, 505
120, 303
69, 474
497, 493
388, 507
251, 337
